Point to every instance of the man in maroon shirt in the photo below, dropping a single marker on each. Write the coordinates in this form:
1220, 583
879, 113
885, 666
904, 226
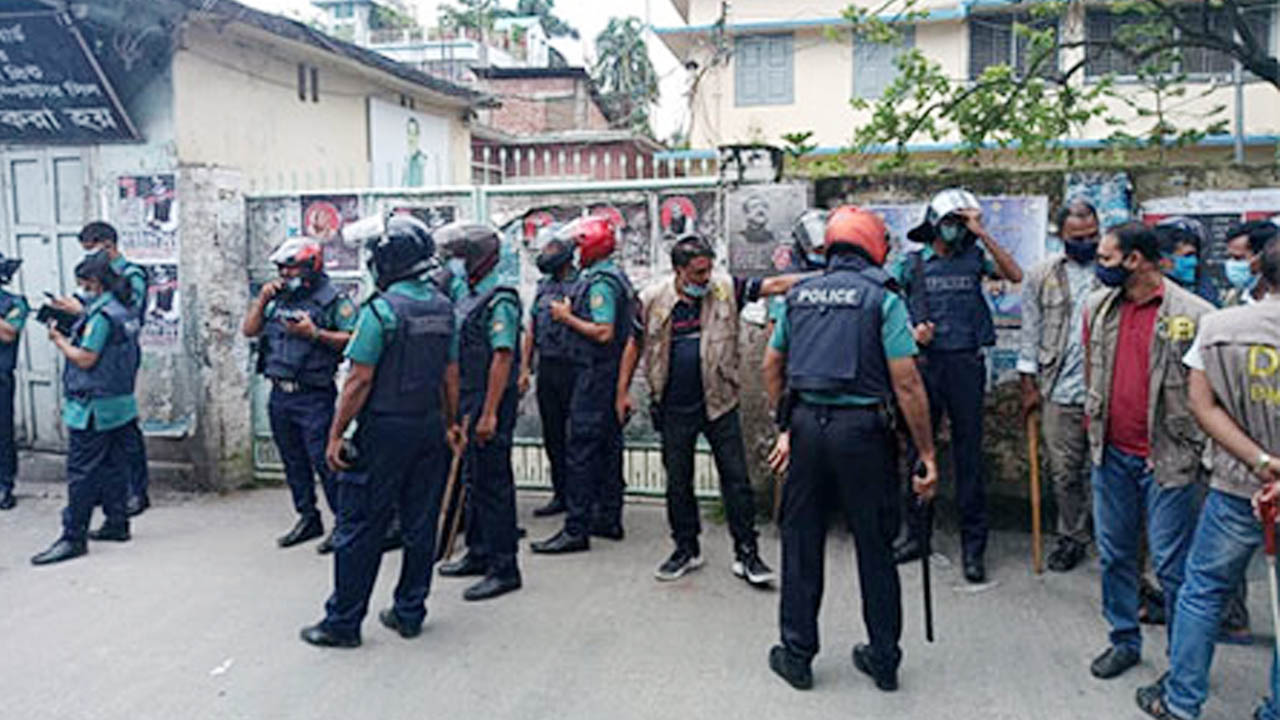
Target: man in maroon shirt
1144, 443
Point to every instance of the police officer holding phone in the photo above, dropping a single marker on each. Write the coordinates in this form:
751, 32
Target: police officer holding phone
305, 323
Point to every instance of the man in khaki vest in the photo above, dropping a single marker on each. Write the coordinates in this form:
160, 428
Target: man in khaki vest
1143, 442
687, 333
1051, 364
1235, 395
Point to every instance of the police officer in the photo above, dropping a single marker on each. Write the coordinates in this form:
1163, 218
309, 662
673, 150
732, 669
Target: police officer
1234, 389
305, 323
489, 328
952, 322
844, 349
403, 388
806, 256
131, 291
102, 357
13, 315
553, 362
599, 317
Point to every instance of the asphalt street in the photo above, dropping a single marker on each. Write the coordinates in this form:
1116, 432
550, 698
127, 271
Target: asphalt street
198, 617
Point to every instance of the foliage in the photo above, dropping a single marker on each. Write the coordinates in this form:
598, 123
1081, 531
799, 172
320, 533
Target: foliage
382, 17
552, 25
469, 15
798, 144
480, 15
624, 74
1033, 107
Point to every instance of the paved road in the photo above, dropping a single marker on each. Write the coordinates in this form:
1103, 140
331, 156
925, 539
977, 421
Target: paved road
198, 618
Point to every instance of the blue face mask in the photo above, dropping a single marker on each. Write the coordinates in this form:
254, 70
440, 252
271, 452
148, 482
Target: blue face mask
293, 284
697, 292
457, 267
1082, 252
951, 232
1112, 276
1184, 269
1238, 273
815, 260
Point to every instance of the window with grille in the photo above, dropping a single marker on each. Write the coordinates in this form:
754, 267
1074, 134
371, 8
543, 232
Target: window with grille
874, 64
994, 41
764, 67
1103, 26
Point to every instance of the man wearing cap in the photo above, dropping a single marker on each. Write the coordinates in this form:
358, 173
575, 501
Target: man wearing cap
952, 323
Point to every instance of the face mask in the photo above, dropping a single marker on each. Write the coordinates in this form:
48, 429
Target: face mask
696, 292
1184, 269
1238, 273
815, 260
1112, 276
457, 267
951, 233
293, 284
1081, 251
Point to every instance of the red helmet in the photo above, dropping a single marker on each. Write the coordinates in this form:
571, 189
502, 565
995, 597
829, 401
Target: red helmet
594, 236
303, 252
852, 226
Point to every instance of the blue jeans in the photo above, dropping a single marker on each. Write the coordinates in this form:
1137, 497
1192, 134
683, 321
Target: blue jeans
1225, 541
1124, 488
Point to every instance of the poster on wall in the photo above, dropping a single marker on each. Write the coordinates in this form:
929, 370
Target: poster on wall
759, 219
323, 217
146, 217
408, 148
433, 216
162, 329
688, 213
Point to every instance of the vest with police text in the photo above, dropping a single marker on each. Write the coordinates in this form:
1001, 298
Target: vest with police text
297, 358
835, 325
947, 291
410, 372
117, 366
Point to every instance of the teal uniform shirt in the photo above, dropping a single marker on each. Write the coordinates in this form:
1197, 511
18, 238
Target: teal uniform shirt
895, 334
900, 267
341, 318
601, 296
376, 322
137, 281
17, 315
106, 413
504, 316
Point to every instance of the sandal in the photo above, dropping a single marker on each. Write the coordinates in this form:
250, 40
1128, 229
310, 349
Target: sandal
1150, 700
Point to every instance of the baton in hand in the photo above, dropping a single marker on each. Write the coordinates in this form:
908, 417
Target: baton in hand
924, 516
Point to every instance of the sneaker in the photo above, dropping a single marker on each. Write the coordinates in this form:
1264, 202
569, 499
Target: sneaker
751, 568
681, 561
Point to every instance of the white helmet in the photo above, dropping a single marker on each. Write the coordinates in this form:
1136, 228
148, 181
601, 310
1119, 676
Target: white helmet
943, 204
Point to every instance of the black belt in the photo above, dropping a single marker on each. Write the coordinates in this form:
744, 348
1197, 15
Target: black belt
293, 387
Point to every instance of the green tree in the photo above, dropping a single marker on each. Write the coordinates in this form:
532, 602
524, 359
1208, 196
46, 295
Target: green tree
1033, 107
624, 74
544, 10
470, 15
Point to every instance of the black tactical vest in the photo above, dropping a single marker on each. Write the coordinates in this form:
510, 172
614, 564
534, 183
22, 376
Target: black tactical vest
552, 338
410, 372
8, 351
117, 366
296, 358
610, 353
947, 291
475, 353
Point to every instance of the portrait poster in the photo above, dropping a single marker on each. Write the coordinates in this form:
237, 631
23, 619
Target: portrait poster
323, 217
146, 217
162, 326
759, 219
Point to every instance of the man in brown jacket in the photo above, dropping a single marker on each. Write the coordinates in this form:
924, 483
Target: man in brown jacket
1144, 443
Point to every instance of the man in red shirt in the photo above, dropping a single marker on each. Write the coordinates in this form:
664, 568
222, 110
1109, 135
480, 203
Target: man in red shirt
1144, 443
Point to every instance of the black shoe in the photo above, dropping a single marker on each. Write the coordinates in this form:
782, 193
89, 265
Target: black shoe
391, 621
561, 543
59, 551
326, 545
907, 551
1150, 700
137, 504
796, 672
682, 561
118, 533
468, 566
492, 586
975, 570
319, 636
305, 529
7, 499
553, 507
608, 532
863, 659
393, 540
1067, 555
1114, 662
521, 533
751, 568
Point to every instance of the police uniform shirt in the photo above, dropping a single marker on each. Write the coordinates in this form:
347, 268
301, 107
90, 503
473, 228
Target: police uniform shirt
376, 323
105, 413
504, 315
601, 296
137, 282
17, 315
895, 335
341, 315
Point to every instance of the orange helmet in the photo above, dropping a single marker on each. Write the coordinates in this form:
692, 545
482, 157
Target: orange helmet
862, 229
594, 236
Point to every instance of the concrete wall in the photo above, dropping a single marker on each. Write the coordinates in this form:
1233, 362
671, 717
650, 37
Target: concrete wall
536, 105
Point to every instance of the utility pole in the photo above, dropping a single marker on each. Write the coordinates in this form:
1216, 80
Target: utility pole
1238, 73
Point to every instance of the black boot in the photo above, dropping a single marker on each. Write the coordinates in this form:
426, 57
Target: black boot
391, 621
975, 570
468, 566
59, 551
7, 499
561, 543
795, 671
554, 506
110, 533
864, 660
320, 636
307, 528
493, 585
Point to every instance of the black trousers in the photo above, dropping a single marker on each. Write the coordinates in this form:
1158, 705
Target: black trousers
491, 488
679, 437
555, 389
843, 457
594, 487
96, 473
8, 445
405, 464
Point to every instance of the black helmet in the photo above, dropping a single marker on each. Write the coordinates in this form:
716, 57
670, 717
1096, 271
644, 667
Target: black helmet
553, 252
403, 250
8, 266
808, 238
479, 245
